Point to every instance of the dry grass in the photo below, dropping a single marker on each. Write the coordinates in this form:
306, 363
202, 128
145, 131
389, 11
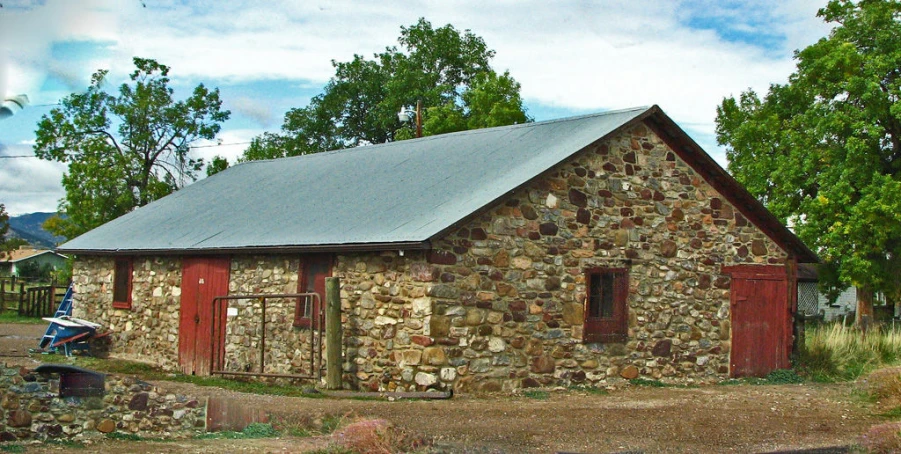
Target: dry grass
883, 384
374, 436
882, 438
368, 436
836, 352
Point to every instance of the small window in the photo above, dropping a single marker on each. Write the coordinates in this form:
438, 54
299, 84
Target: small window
122, 283
606, 305
311, 279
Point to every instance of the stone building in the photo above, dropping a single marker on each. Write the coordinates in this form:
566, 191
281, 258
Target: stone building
575, 251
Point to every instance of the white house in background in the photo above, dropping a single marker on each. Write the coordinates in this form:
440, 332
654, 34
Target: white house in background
813, 303
13, 262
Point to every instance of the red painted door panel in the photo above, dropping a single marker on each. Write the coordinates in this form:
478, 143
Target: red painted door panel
203, 279
761, 324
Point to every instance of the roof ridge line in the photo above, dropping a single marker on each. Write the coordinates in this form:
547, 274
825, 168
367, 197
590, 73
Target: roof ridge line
456, 133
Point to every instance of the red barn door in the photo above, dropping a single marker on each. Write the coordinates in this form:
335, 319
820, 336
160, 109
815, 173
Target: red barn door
761, 320
203, 278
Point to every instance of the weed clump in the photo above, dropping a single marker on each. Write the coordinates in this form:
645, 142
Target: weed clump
369, 436
783, 377
883, 384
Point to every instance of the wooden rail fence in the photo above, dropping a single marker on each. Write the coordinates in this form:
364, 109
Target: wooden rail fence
30, 300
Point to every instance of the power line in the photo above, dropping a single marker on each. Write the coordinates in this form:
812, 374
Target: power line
220, 144
197, 146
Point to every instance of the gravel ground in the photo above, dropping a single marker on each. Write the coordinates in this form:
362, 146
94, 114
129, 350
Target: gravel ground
15, 341
712, 419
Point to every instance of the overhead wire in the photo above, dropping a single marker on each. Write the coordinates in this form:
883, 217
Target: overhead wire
196, 146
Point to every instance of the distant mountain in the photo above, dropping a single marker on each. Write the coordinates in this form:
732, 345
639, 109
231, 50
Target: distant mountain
30, 228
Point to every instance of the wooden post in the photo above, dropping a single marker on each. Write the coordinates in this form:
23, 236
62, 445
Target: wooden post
333, 333
22, 299
2, 296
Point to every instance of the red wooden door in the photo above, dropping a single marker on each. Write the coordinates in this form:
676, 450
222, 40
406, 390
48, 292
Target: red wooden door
203, 278
761, 320
313, 271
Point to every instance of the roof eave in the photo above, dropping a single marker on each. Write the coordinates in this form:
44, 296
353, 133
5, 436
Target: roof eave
285, 249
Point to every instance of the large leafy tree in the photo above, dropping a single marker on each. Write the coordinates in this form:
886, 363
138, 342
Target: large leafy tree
446, 70
823, 151
125, 150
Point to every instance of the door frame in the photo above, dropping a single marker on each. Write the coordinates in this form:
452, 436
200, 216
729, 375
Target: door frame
786, 305
195, 322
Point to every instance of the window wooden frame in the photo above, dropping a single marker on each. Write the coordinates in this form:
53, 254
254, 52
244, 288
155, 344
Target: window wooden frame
321, 265
606, 305
123, 273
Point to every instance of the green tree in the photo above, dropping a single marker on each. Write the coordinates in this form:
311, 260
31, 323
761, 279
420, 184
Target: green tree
35, 271
125, 150
823, 151
447, 70
7, 245
216, 165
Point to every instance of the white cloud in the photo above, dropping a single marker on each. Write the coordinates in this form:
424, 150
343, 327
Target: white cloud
28, 30
572, 54
29, 184
258, 110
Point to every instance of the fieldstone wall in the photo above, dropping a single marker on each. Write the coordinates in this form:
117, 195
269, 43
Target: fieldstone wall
386, 314
498, 304
149, 330
288, 348
31, 409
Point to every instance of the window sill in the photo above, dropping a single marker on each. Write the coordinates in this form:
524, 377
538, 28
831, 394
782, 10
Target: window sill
121, 305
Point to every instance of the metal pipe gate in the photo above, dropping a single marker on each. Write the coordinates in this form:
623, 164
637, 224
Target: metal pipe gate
310, 300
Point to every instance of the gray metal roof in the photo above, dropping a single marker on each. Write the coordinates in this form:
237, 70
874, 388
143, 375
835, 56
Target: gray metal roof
400, 192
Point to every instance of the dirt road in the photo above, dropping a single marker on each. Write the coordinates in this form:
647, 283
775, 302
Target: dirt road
712, 419
698, 420
16, 339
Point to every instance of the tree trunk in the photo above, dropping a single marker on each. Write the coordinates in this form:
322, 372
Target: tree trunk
864, 307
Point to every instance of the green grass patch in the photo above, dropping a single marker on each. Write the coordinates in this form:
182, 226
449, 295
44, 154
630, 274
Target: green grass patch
254, 430
894, 413
124, 436
151, 372
589, 389
12, 316
330, 424
783, 377
12, 448
776, 377
535, 394
252, 387
648, 382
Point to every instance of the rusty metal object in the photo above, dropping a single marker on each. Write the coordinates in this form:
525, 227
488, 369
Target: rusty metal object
75, 381
218, 355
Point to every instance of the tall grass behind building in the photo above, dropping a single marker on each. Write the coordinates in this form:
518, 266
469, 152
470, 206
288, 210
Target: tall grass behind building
835, 352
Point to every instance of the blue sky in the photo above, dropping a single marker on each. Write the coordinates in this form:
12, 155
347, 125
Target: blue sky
571, 57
